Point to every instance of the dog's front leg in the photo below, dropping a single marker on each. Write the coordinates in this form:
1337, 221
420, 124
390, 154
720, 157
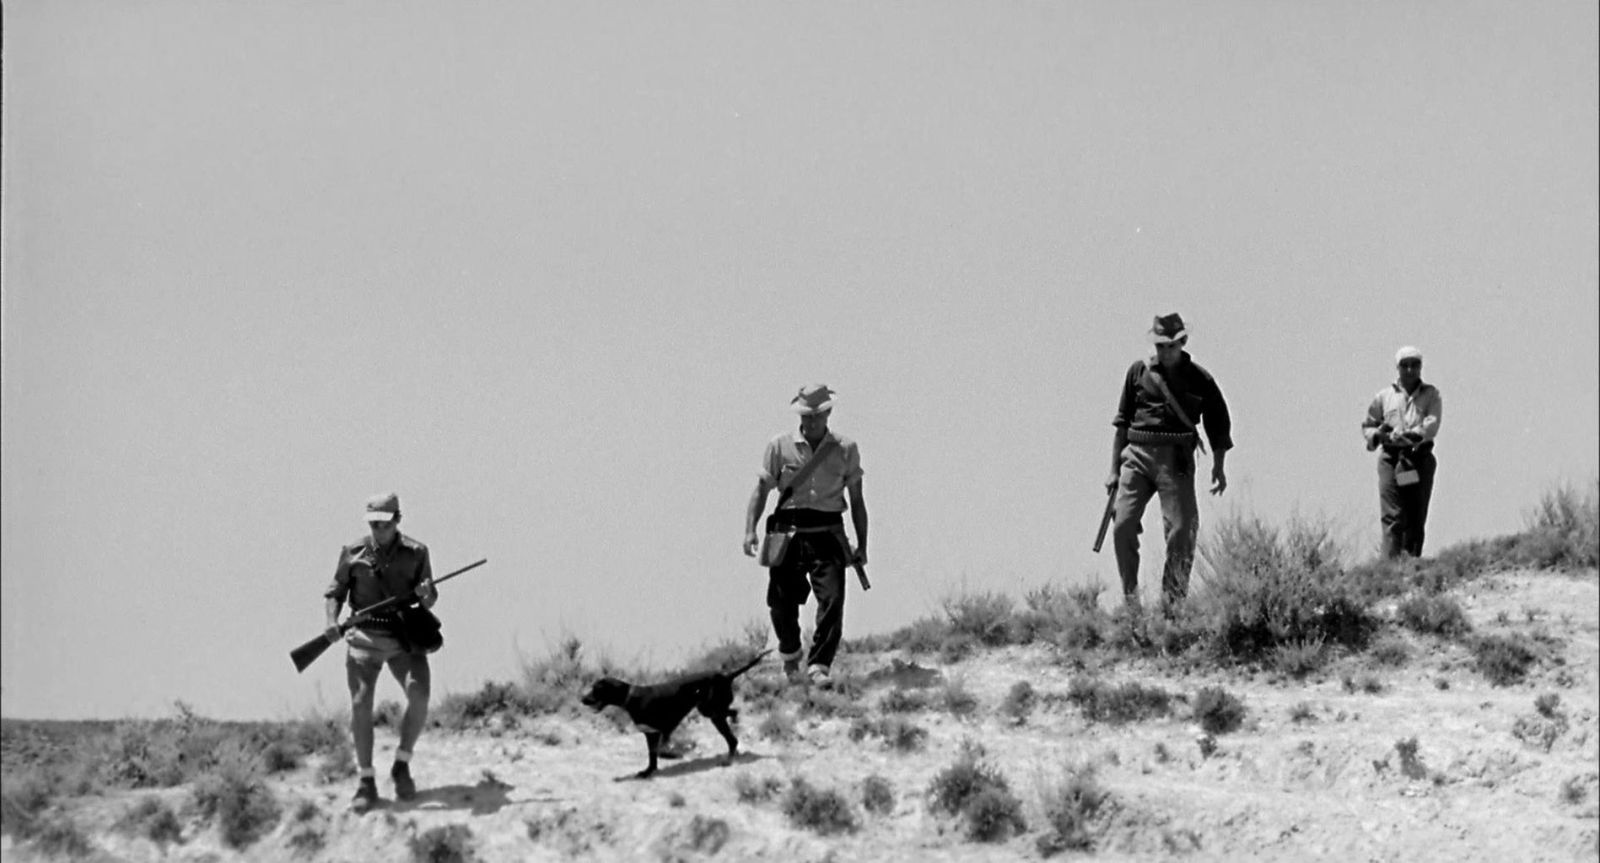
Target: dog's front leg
721, 722
652, 740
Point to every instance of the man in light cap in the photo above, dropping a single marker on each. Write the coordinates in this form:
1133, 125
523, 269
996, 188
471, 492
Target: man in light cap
811, 512
1403, 420
383, 564
1164, 401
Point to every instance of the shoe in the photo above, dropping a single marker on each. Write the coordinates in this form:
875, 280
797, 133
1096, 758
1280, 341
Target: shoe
404, 787
820, 677
791, 670
366, 796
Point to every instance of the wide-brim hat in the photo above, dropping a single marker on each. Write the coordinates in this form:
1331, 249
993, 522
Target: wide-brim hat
812, 399
1407, 353
1167, 328
383, 507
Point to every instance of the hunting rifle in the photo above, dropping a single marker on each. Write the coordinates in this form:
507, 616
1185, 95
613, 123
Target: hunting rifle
307, 653
1105, 518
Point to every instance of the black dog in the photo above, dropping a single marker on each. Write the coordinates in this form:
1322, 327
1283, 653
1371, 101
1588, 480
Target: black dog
659, 708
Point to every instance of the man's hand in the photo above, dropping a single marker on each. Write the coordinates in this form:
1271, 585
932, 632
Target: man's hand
332, 633
751, 543
859, 556
1111, 481
426, 592
1219, 480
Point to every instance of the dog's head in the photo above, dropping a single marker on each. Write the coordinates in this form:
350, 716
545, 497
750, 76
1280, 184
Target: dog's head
605, 692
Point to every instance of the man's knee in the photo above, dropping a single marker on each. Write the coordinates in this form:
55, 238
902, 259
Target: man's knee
1126, 529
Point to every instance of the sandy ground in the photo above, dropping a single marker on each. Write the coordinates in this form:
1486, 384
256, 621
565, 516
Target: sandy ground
1331, 787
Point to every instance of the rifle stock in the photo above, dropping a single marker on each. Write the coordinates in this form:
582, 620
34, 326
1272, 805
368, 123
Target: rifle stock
1105, 518
307, 653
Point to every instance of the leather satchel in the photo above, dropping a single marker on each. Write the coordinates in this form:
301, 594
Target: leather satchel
419, 629
775, 544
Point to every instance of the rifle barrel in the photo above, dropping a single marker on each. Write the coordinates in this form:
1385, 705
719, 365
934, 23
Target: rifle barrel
307, 653
1105, 519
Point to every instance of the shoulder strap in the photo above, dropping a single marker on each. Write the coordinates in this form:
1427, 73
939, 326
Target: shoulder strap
787, 489
1172, 402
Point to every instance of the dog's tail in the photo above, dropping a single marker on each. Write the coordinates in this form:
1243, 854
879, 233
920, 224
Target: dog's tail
749, 665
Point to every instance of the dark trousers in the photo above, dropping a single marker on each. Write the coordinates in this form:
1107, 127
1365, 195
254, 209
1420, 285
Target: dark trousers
814, 565
1149, 470
1404, 508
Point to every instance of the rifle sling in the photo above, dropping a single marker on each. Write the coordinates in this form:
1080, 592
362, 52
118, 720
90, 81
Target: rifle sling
786, 490
1155, 374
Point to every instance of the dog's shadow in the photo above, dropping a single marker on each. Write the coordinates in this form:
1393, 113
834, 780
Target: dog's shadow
696, 765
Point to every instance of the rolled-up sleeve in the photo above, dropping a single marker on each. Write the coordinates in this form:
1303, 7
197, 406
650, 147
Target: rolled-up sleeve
425, 568
1125, 403
1432, 410
771, 466
852, 464
340, 587
1374, 420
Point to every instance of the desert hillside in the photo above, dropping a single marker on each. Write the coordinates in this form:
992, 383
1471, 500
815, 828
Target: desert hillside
1462, 724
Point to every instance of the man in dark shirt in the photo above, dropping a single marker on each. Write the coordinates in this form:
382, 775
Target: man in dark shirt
383, 564
1164, 401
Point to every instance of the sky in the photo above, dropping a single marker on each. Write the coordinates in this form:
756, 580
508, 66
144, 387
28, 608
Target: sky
552, 272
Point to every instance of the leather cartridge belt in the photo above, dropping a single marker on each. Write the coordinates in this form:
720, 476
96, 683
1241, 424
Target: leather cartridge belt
1410, 450
807, 520
381, 620
1159, 438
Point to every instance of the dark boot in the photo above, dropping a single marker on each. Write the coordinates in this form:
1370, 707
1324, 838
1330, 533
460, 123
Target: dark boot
366, 796
404, 787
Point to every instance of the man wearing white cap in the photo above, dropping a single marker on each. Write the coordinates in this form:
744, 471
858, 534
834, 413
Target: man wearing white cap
1403, 420
383, 564
1165, 400
811, 513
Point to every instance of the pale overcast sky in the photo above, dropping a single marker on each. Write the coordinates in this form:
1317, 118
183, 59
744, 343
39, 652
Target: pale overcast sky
552, 271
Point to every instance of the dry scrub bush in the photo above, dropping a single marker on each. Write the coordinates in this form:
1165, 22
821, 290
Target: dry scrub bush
1071, 806
1433, 615
1265, 587
152, 818
1300, 658
777, 726
449, 843
985, 617
877, 795
978, 792
826, 703
1019, 702
957, 699
753, 789
896, 732
899, 700
820, 810
1503, 660
707, 835
234, 794
1129, 702
1217, 710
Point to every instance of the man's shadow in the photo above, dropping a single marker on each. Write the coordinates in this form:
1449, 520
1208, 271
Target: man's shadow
697, 765
484, 798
